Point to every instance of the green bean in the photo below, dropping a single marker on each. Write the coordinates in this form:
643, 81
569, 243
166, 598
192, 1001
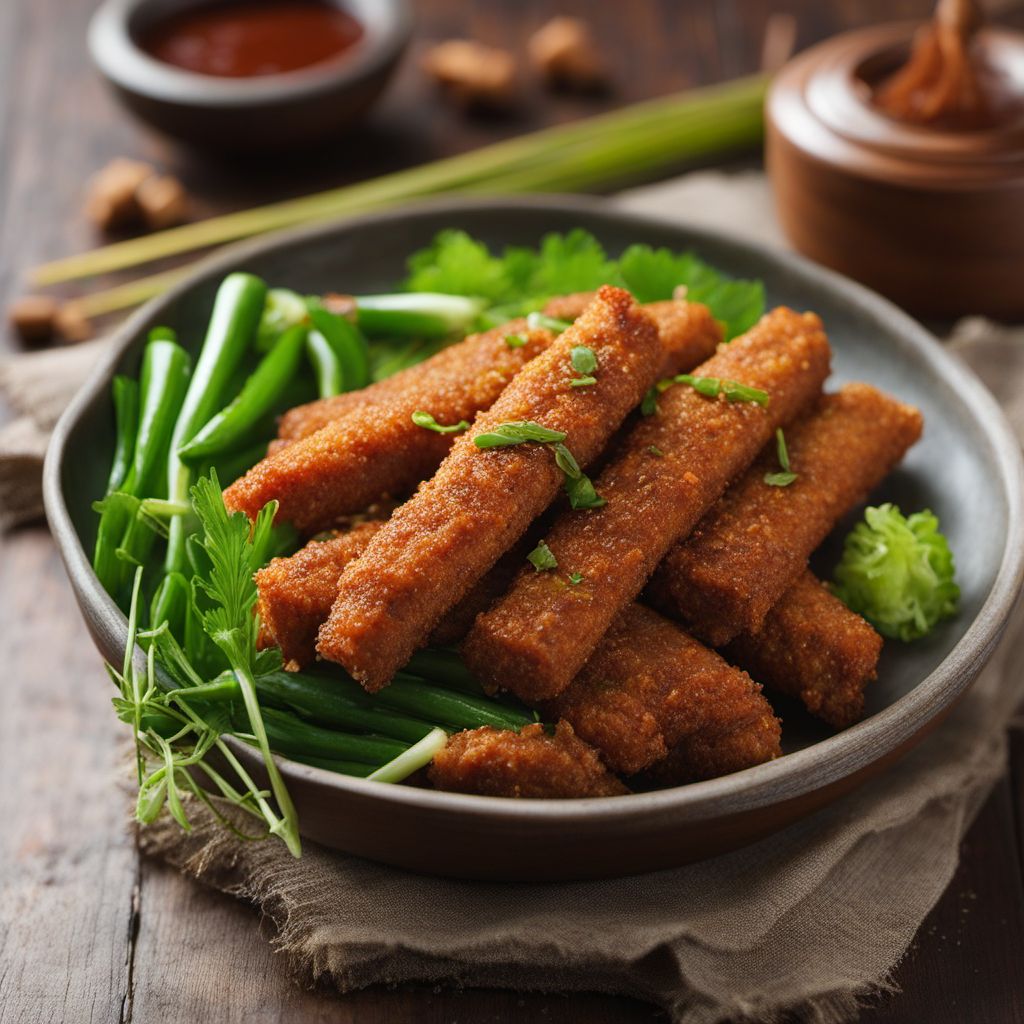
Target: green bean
444, 667
170, 603
117, 511
319, 700
290, 735
236, 315
414, 697
164, 378
354, 768
330, 378
234, 424
417, 314
348, 344
126, 421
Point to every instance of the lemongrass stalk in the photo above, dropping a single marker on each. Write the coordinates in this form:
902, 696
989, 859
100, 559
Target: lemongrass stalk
731, 99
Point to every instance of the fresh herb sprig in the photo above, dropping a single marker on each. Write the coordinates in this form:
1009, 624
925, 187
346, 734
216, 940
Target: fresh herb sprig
578, 485
709, 387
584, 362
542, 558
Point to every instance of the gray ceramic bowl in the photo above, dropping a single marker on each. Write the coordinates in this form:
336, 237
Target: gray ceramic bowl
967, 468
247, 114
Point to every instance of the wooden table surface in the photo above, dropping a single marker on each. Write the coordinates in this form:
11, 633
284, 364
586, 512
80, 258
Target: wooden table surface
88, 930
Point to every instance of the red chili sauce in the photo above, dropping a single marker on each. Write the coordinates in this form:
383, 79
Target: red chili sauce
248, 38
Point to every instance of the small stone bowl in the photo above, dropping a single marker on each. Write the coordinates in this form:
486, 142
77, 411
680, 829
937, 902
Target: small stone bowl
256, 114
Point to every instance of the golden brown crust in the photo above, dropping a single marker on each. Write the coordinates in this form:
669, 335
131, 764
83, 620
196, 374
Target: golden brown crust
461, 379
814, 648
480, 502
667, 471
650, 690
743, 555
295, 594
375, 448
529, 763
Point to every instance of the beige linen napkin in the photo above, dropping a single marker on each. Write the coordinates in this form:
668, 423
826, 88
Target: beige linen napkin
810, 921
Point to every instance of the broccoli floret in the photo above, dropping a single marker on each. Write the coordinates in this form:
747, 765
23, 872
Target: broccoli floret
897, 572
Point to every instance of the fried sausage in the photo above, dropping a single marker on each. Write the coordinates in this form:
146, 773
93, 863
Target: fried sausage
295, 594
812, 647
529, 763
744, 554
460, 380
376, 449
649, 692
666, 473
479, 503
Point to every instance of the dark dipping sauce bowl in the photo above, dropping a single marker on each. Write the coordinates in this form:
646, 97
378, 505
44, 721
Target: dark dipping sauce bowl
246, 113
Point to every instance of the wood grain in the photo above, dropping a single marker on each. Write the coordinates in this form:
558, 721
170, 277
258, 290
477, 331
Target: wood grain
87, 933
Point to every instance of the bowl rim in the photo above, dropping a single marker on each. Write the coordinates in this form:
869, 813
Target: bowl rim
123, 62
833, 759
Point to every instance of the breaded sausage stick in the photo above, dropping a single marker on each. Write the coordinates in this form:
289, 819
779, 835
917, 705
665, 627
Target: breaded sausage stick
528, 763
377, 449
460, 380
723, 579
479, 503
649, 691
295, 594
665, 474
812, 647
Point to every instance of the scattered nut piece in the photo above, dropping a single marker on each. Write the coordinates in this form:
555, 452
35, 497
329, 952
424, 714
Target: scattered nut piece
474, 75
111, 201
565, 52
32, 316
162, 201
72, 324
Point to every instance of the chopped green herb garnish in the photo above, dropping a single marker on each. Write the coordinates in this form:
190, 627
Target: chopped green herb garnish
649, 406
542, 322
577, 485
425, 420
582, 382
515, 340
786, 477
541, 558
583, 359
575, 577
517, 432
655, 450
582, 494
898, 572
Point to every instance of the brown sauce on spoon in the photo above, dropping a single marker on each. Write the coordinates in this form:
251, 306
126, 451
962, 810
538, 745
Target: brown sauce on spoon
252, 38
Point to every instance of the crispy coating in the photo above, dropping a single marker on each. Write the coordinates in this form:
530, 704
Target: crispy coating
295, 594
814, 648
480, 502
744, 554
666, 472
376, 449
650, 691
689, 334
454, 384
528, 763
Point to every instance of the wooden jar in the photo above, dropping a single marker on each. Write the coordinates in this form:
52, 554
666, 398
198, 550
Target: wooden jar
932, 218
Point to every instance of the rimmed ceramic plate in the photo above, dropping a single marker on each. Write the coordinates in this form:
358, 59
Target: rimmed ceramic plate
967, 469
